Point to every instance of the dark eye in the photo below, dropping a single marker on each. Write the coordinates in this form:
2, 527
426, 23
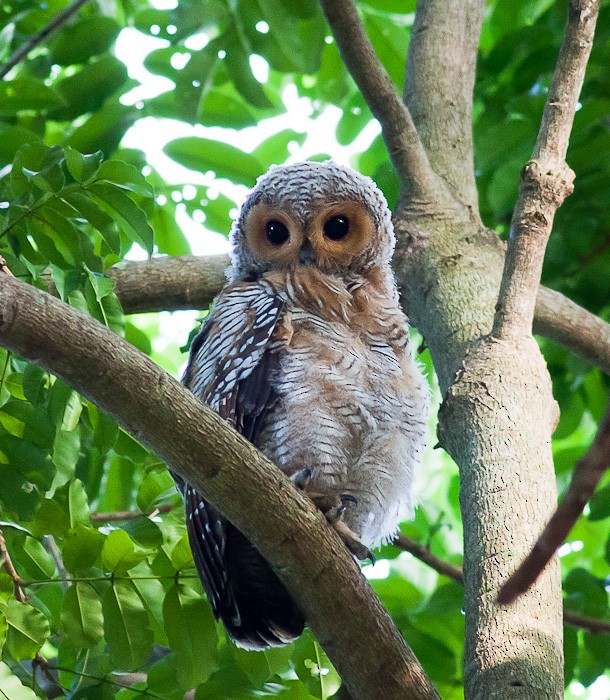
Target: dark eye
277, 233
337, 227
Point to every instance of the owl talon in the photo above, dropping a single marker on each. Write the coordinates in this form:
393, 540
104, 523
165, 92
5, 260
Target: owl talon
352, 542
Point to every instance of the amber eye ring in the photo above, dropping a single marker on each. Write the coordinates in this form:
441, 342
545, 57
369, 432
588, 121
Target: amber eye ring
276, 232
337, 227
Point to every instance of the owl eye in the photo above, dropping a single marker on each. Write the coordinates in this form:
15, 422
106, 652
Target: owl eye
337, 227
277, 232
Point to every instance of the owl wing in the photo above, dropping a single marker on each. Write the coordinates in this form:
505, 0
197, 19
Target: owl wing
232, 361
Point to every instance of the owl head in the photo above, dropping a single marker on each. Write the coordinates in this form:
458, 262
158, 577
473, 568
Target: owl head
311, 213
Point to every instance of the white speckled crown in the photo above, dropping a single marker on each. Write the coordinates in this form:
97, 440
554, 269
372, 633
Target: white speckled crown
305, 187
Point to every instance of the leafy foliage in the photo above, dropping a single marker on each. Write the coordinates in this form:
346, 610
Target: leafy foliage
111, 594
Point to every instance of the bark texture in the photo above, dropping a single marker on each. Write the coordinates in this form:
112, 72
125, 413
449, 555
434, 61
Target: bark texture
436, 83
366, 648
169, 283
496, 421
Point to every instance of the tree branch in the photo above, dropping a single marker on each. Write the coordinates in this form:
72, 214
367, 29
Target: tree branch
576, 329
455, 573
546, 180
56, 23
408, 155
439, 82
123, 515
366, 648
587, 474
169, 283
423, 553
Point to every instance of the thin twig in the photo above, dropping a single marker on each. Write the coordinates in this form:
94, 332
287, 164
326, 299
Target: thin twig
455, 573
7, 564
546, 180
400, 135
587, 474
110, 681
423, 553
121, 515
36, 39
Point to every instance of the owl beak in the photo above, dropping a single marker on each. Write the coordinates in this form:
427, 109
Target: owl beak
307, 255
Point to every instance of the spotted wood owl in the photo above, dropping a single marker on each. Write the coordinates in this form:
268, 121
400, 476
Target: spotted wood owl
306, 353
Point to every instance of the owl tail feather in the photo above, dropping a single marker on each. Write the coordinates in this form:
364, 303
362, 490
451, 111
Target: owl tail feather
243, 590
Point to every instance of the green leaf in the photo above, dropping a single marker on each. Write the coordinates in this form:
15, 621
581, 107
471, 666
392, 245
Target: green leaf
3, 629
81, 548
190, 629
81, 615
104, 129
6, 39
66, 452
144, 532
597, 645
599, 507
82, 166
78, 42
238, 67
12, 688
314, 668
155, 487
224, 106
182, 556
586, 593
78, 505
28, 629
225, 160
14, 384
88, 89
130, 217
274, 150
126, 627
30, 460
124, 175
42, 565
27, 93
119, 553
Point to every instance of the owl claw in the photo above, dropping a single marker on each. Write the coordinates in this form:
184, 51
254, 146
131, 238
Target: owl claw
352, 542
333, 508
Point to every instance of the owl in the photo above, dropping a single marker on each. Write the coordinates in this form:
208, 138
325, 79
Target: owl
306, 353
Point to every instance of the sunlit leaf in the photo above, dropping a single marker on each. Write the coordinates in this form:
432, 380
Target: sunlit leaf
28, 629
